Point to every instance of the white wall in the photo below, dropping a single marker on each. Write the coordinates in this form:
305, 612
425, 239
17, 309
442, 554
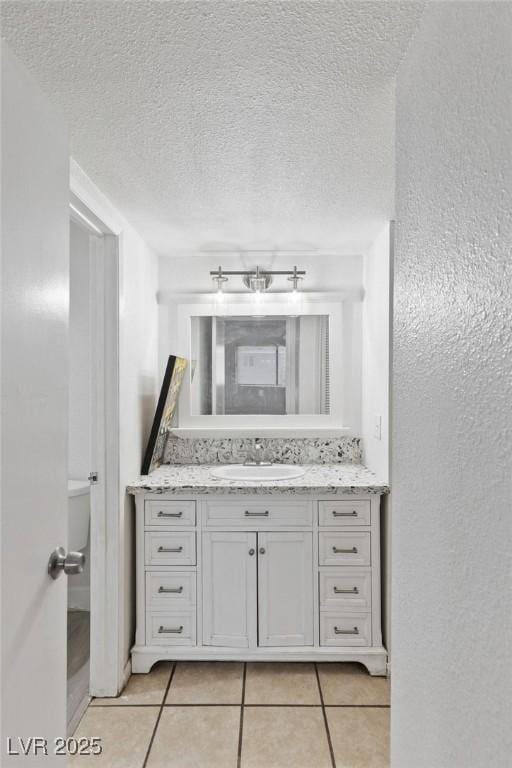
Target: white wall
375, 354
139, 385
79, 440
375, 393
452, 415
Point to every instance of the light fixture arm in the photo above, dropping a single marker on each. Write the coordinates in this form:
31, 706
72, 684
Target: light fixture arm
293, 272
257, 279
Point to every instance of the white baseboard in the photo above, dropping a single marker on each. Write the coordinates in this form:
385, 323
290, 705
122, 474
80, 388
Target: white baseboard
79, 713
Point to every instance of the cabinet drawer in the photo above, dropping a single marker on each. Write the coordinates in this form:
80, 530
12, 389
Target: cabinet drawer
171, 628
344, 548
346, 589
345, 628
170, 590
344, 513
170, 513
259, 515
170, 548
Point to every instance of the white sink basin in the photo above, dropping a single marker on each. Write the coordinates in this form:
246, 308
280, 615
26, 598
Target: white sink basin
243, 472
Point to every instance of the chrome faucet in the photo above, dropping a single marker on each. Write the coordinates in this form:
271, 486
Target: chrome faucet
257, 457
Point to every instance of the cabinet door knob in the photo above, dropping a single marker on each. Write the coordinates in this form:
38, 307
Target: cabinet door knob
262, 550
252, 551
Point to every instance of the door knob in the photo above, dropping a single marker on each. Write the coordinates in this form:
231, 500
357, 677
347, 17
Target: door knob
252, 551
70, 563
262, 550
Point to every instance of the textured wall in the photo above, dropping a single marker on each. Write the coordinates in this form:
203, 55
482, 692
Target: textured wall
452, 430
239, 122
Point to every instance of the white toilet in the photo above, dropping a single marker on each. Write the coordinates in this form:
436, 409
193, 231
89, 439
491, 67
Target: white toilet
79, 514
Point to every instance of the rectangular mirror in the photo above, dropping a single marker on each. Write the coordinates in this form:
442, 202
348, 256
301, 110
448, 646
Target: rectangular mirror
260, 365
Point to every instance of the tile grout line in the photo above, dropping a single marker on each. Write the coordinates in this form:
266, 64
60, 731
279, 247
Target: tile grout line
324, 713
358, 706
237, 704
241, 729
144, 764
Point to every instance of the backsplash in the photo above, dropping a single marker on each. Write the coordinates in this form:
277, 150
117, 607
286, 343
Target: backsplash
307, 450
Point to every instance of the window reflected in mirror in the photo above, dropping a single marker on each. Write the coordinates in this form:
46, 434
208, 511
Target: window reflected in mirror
261, 365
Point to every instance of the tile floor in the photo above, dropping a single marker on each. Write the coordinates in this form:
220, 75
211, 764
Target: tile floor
236, 715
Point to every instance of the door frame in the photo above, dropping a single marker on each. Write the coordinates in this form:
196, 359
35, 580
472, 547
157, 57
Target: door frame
108, 670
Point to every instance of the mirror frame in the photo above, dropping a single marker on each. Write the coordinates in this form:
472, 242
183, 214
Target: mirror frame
264, 424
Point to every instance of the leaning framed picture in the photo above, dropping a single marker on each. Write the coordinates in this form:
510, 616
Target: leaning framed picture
165, 409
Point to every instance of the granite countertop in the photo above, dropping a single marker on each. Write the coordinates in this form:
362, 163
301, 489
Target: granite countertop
318, 479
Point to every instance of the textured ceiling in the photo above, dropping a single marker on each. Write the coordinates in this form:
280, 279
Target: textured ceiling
252, 124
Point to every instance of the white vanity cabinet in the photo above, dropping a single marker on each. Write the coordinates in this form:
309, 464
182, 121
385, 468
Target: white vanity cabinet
257, 588
229, 584
258, 577
285, 588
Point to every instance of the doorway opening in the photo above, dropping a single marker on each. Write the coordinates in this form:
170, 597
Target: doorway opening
83, 237
92, 448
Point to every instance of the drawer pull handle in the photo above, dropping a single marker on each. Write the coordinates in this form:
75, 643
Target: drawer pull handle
170, 549
338, 631
339, 551
170, 590
170, 514
170, 630
344, 514
353, 591
256, 514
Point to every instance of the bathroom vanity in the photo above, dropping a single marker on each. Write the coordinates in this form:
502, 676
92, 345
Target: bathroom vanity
259, 570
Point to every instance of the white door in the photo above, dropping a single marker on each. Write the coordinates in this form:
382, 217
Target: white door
285, 588
229, 589
34, 331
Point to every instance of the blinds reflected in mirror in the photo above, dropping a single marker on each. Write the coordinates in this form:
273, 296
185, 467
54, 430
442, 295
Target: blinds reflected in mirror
324, 368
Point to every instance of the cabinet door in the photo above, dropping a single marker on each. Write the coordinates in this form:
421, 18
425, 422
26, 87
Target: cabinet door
229, 589
285, 588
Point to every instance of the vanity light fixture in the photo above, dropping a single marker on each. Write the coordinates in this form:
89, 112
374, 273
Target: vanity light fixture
219, 278
257, 280
295, 281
